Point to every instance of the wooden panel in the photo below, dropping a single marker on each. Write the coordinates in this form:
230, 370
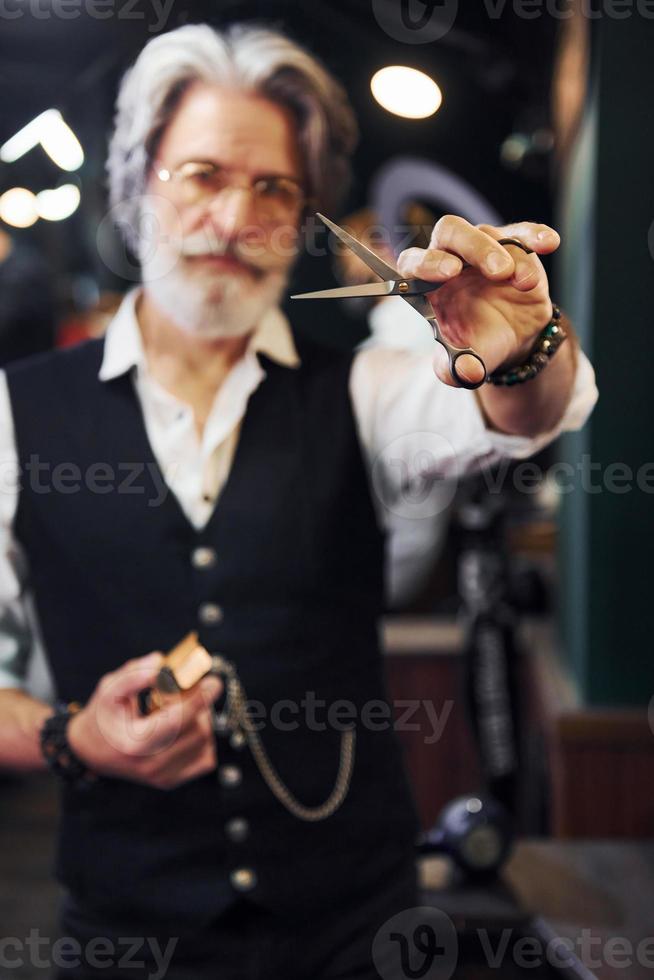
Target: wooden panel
600, 761
602, 774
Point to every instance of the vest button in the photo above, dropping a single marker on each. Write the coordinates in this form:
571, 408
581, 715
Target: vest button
221, 723
237, 740
203, 557
237, 829
243, 879
229, 776
210, 613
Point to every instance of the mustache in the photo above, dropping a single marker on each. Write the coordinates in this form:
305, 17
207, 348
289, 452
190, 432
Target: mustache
253, 255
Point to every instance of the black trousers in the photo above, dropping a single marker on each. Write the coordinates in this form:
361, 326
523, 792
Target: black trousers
249, 942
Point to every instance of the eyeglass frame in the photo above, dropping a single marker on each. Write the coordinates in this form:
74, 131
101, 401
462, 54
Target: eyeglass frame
305, 201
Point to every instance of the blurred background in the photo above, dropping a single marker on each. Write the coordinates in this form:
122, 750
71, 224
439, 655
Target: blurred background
543, 116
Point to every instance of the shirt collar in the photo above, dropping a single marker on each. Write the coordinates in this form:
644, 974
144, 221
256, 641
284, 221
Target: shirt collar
123, 348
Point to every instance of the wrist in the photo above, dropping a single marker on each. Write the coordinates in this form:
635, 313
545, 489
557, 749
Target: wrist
60, 746
77, 736
534, 355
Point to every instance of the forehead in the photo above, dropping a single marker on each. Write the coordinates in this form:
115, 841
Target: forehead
238, 129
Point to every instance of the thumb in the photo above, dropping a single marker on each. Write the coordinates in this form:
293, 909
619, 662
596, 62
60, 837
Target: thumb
134, 675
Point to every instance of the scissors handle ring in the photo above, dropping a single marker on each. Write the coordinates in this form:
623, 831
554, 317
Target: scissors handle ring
517, 243
454, 353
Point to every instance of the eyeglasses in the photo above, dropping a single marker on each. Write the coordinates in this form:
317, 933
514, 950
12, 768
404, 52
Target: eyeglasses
276, 199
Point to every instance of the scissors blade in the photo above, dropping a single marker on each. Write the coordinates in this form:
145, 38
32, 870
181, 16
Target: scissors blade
421, 305
345, 292
365, 254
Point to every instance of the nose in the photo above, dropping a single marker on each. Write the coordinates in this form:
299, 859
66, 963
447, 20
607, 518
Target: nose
231, 211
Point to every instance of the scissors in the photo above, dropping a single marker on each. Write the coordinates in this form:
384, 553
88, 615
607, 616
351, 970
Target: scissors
411, 290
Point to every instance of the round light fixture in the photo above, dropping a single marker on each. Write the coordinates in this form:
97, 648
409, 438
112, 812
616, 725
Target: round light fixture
406, 92
18, 207
57, 204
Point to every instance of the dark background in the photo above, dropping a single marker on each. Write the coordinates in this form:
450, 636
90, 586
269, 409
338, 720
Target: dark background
495, 75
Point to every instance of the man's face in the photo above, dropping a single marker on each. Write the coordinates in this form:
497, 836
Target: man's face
233, 258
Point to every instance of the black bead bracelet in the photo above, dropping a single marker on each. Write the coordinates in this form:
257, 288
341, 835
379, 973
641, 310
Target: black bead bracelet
548, 342
57, 752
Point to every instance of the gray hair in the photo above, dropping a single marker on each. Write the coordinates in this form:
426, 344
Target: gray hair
248, 58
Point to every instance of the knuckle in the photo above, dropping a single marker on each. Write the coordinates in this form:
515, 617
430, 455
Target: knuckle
106, 682
408, 256
446, 226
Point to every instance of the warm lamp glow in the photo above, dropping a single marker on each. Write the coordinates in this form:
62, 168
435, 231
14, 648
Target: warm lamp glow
18, 207
406, 92
55, 205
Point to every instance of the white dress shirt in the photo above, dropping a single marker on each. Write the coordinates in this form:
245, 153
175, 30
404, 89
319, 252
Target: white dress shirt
411, 427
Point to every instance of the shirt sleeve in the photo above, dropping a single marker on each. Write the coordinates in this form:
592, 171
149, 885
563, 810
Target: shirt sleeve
411, 426
15, 631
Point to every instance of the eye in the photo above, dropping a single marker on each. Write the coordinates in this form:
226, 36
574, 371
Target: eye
203, 175
280, 189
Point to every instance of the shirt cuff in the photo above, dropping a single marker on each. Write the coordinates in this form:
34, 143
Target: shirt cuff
10, 681
582, 401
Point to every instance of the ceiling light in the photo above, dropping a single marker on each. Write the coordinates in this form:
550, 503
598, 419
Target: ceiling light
18, 207
55, 205
25, 138
60, 143
55, 136
406, 92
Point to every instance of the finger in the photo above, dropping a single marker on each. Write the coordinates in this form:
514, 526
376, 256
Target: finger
178, 714
431, 264
187, 705
470, 368
209, 689
168, 743
541, 238
133, 676
528, 268
454, 234
441, 366
178, 769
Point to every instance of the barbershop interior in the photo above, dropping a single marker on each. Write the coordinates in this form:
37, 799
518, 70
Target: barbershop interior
325, 648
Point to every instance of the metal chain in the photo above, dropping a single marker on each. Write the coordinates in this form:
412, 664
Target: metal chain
239, 723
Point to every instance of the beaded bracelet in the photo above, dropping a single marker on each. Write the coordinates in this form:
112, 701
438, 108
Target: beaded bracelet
548, 342
57, 752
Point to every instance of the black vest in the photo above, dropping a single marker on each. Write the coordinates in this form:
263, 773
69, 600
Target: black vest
298, 578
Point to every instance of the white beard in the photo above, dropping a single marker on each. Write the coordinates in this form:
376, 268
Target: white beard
206, 302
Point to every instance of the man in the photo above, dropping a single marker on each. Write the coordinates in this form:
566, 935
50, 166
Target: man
204, 469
